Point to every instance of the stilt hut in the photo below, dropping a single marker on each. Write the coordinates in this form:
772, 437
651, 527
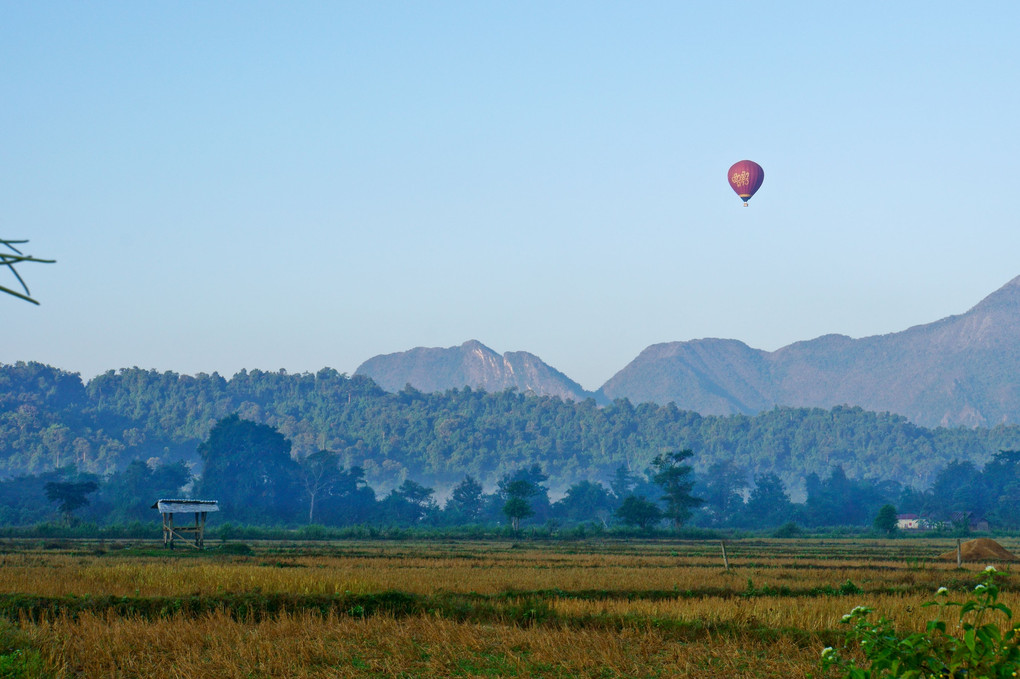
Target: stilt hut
168, 508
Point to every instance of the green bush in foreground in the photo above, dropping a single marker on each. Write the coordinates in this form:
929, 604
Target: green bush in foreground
976, 648
18, 660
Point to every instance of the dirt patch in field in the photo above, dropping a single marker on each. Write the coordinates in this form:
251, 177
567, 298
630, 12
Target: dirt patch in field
982, 549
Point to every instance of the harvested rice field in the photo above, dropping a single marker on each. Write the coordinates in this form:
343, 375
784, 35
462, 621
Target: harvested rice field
459, 608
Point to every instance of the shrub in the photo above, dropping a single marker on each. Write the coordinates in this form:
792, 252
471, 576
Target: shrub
788, 530
235, 548
977, 647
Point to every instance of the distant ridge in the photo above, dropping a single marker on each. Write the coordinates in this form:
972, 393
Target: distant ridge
963, 370
472, 364
960, 371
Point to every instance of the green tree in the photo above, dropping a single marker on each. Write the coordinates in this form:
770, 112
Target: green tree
130, 493
956, 488
409, 504
533, 479
350, 501
639, 511
623, 482
517, 507
465, 503
841, 501
419, 499
677, 481
248, 468
1000, 480
885, 520
320, 474
585, 501
70, 495
768, 504
722, 488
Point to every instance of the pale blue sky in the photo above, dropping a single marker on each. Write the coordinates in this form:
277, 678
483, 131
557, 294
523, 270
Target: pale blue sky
300, 185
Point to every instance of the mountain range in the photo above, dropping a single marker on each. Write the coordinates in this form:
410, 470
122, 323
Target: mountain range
963, 370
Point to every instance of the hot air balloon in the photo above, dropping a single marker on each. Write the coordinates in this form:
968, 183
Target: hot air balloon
745, 178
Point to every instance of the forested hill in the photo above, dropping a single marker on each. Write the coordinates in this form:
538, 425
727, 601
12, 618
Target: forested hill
49, 418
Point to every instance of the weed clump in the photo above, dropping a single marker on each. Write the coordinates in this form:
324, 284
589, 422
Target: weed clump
976, 646
17, 657
234, 549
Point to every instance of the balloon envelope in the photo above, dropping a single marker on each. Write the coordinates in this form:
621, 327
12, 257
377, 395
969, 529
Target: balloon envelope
745, 177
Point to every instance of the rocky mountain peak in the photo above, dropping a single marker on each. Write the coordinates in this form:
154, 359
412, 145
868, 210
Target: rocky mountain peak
472, 364
1006, 298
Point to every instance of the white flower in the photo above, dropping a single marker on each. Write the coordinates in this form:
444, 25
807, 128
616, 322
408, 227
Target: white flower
828, 652
847, 618
990, 569
942, 591
980, 588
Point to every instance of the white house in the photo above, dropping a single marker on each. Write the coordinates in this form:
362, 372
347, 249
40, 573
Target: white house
908, 522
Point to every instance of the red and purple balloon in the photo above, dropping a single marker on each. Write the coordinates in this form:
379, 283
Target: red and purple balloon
745, 177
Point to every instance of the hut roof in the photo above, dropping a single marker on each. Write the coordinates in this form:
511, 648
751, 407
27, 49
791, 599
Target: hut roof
181, 506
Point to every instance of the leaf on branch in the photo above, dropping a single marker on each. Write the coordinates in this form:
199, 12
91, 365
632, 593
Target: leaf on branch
18, 257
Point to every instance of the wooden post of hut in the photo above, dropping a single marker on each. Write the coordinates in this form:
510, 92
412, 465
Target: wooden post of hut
200, 508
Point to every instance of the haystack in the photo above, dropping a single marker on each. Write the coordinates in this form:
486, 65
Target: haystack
982, 549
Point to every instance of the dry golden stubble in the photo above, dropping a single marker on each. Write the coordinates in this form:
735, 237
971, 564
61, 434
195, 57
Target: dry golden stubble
537, 570
311, 646
809, 614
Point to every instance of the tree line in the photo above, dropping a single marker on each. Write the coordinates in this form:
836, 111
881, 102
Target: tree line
50, 419
251, 470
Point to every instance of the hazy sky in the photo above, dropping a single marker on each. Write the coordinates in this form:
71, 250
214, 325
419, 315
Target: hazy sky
302, 185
